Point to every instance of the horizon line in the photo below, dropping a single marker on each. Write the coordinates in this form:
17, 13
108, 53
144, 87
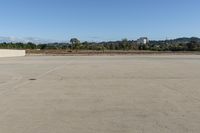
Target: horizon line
37, 40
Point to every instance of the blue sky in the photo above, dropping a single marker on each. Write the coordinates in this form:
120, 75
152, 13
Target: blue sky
96, 20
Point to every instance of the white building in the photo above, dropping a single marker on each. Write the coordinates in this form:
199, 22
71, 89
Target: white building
143, 40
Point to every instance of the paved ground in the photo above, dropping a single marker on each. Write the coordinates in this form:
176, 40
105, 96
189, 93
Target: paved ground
127, 94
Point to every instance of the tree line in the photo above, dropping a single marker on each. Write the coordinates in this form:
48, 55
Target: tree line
180, 44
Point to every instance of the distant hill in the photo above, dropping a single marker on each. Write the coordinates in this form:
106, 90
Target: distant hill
24, 40
185, 40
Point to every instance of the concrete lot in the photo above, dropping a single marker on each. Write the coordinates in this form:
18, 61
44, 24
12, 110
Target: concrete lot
120, 94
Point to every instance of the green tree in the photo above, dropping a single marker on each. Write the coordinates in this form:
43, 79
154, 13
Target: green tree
123, 44
75, 44
31, 45
193, 45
